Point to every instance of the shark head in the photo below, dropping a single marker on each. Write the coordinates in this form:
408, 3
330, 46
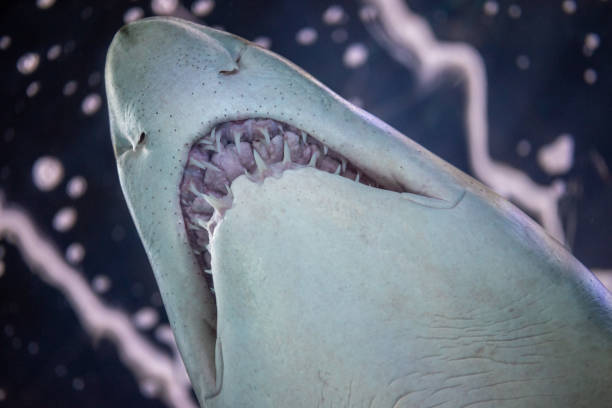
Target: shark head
307, 253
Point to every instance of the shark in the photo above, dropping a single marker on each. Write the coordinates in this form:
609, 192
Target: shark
310, 255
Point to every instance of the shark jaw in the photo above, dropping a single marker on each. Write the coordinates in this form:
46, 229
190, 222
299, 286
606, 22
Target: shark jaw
256, 149
416, 286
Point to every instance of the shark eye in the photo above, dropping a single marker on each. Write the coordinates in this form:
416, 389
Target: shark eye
257, 148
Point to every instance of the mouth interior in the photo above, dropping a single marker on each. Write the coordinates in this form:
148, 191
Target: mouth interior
255, 148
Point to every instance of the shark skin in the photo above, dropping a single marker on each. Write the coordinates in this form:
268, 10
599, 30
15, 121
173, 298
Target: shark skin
330, 292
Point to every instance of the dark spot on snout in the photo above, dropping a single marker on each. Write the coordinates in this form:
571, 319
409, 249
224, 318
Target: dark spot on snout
229, 72
142, 138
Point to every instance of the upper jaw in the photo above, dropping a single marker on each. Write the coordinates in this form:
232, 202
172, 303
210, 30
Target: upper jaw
168, 83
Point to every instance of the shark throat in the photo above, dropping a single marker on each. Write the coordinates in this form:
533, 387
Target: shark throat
253, 148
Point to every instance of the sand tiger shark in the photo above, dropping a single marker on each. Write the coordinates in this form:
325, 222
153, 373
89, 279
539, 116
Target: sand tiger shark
309, 255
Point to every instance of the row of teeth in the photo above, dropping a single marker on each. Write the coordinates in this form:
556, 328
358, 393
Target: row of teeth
256, 149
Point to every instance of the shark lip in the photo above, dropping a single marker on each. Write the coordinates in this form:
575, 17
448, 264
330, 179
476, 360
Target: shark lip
256, 149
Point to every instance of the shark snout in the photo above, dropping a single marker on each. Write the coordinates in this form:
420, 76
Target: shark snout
155, 71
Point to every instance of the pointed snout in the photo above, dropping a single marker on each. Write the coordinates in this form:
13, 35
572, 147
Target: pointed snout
155, 65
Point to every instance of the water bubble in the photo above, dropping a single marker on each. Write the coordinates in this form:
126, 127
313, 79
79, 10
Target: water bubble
76, 187
75, 253
523, 62
33, 89
357, 101
523, 148
490, 8
514, 11
334, 15
101, 283
27, 63
91, 104
557, 157
263, 41
44, 4
202, 8
78, 383
65, 219
61, 370
5, 42
94, 79
149, 388
133, 14
164, 7
355, 55
569, 6
591, 43
590, 76
306, 36
368, 13
164, 334
54, 52
70, 88
146, 318
47, 173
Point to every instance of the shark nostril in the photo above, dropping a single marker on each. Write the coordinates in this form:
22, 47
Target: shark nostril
142, 138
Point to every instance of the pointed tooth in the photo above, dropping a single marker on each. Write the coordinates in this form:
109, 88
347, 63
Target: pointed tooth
286, 152
208, 271
194, 190
204, 165
343, 160
229, 191
261, 164
201, 222
205, 141
303, 137
217, 138
337, 172
237, 141
313, 159
265, 133
324, 150
217, 203
357, 177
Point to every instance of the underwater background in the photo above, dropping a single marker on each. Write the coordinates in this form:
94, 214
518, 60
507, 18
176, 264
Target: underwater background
527, 110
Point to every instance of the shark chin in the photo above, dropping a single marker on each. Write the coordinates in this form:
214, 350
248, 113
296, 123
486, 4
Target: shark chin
308, 254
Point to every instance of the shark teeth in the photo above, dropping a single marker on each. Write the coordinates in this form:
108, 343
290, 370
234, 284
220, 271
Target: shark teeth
260, 163
237, 141
256, 148
313, 159
286, 152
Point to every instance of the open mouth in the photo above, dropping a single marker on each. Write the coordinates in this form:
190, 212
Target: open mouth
255, 148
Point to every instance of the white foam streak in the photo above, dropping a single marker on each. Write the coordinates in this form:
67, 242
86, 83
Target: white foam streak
407, 33
146, 361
